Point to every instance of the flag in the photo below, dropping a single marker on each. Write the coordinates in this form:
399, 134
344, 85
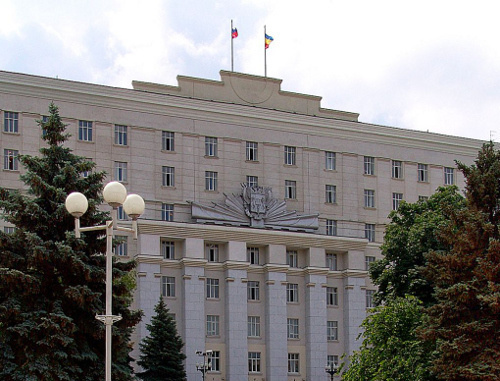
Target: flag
268, 40
234, 33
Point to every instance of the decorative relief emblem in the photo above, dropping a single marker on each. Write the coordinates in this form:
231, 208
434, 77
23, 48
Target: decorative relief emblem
255, 207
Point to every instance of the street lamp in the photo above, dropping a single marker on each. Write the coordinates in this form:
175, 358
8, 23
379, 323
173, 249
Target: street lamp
115, 195
331, 369
207, 362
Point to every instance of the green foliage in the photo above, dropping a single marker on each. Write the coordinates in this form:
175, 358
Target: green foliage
51, 284
391, 349
161, 351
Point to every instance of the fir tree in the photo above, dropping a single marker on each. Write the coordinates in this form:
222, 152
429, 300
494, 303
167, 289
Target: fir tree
51, 284
161, 351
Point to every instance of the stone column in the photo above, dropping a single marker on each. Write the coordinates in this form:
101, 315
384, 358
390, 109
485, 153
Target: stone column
354, 310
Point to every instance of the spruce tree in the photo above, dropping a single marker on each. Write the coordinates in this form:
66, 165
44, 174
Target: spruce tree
161, 351
51, 284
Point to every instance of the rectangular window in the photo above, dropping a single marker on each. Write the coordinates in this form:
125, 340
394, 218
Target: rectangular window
370, 232
253, 292
210, 146
120, 135
254, 326
212, 288
211, 181
332, 330
253, 255
253, 362
85, 130
396, 200
120, 213
167, 141
423, 198
252, 181
215, 361
330, 194
368, 261
369, 198
168, 286
11, 122
290, 155
369, 165
9, 229
252, 151
449, 176
332, 296
121, 248
10, 160
290, 189
330, 161
167, 212
212, 252
167, 176
331, 261
292, 258
293, 363
120, 171
369, 298
423, 173
331, 227
292, 328
292, 293
212, 325
332, 361
168, 249
397, 169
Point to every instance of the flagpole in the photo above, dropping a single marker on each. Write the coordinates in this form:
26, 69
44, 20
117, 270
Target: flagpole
265, 53
232, 56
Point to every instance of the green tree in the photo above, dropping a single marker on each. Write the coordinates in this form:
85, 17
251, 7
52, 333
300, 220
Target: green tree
51, 284
465, 321
161, 352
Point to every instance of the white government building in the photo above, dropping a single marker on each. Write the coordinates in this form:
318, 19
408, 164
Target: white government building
263, 210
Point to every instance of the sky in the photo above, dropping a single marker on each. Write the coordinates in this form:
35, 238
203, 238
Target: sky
421, 65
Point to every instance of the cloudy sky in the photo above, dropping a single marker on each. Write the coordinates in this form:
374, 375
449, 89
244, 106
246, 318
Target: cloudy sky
423, 65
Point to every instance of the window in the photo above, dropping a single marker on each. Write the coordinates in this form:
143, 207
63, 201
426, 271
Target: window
331, 261
120, 171
85, 130
292, 293
369, 165
120, 213
11, 122
215, 361
252, 181
332, 296
9, 229
167, 141
449, 176
253, 290
212, 325
211, 146
292, 328
210, 181
167, 212
330, 194
168, 286
396, 200
368, 261
212, 288
121, 248
397, 169
330, 161
423, 173
10, 160
212, 252
168, 249
332, 330
167, 176
45, 121
369, 198
252, 151
370, 232
292, 258
293, 363
120, 135
290, 189
290, 155
253, 362
423, 198
253, 255
369, 298
331, 227
332, 361
254, 326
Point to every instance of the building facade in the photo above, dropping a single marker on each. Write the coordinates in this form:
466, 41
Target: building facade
263, 210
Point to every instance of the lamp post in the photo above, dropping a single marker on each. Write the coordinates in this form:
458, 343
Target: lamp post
206, 365
331, 369
115, 195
